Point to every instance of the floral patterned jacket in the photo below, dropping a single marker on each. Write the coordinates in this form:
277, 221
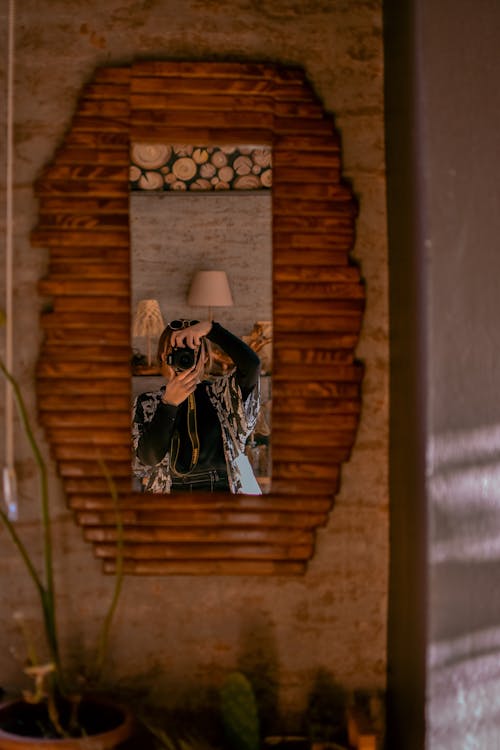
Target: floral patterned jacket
237, 418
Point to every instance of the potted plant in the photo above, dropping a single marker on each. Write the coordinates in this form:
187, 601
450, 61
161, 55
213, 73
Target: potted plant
53, 715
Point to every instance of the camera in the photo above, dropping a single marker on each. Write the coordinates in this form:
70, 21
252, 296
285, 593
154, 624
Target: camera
182, 358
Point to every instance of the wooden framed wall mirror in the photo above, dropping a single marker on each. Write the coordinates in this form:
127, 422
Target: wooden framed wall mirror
83, 374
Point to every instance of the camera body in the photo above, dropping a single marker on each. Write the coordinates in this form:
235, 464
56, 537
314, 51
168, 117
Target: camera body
182, 358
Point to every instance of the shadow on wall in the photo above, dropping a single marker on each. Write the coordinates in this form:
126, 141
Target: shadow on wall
259, 662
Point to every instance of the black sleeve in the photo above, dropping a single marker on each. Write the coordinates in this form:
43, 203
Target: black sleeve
246, 360
156, 434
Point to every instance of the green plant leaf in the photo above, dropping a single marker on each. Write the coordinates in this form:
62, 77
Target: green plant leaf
239, 713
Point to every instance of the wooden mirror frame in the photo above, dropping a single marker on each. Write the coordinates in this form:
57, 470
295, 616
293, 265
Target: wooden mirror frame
83, 374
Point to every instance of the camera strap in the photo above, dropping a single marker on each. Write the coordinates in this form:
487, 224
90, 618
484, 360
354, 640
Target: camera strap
192, 428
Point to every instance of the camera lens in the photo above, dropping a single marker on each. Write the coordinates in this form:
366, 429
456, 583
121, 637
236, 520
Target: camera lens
185, 360
181, 358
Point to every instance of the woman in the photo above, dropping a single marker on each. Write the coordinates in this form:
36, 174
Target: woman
191, 434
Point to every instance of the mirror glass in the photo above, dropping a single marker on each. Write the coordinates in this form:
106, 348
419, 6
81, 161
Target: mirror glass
204, 208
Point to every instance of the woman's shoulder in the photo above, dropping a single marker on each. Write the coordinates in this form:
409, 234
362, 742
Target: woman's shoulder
147, 395
148, 398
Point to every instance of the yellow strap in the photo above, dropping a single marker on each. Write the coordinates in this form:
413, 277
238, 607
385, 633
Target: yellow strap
192, 427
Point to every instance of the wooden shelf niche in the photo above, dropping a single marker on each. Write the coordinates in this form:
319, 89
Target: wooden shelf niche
83, 373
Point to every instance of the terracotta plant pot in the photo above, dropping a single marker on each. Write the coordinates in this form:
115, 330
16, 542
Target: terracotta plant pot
107, 725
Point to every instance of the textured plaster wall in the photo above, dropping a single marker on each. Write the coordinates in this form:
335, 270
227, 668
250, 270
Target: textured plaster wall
177, 637
218, 231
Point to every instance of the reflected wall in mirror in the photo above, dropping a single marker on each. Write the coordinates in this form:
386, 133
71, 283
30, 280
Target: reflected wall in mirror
317, 310
178, 232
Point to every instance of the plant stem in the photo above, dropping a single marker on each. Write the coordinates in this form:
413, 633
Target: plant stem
22, 550
104, 634
46, 591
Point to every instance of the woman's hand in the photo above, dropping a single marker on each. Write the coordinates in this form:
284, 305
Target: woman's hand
191, 336
180, 386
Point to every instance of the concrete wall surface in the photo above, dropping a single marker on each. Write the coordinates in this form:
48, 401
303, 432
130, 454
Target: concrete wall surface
176, 638
442, 184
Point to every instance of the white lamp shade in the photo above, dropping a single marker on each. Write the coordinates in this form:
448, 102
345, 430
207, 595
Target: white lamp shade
210, 289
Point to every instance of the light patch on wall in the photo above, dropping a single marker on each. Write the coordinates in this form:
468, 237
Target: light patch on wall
464, 485
465, 691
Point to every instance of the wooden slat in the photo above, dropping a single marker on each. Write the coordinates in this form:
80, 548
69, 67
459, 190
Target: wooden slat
332, 438
67, 369
118, 76
231, 535
318, 307
195, 567
101, 222
75, 156
92, 452
86, 288
317, 406
79, 268
204, 551
80, 189
206, 518
111, 125
113, 435
324, 454
67, 389
305, 423
94, 205
87, 172
199, 102
326, 390
328, 372
75, 418
108, 109
302, 486
331, 208
95, 496
328, 323
207, 136
85, 253
304, 470
98, 352
208, 71
72, 238
346, 274
311, 291
323, 345
106, 402
249, 119
322, 177
315, 250
74, 468
173, 87
308, 188
88, 304
90, 323
303, 223
307, 356
107, 90
298, 143
299, 158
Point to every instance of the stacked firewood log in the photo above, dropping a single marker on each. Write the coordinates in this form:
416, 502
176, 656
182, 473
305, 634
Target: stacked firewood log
156, 166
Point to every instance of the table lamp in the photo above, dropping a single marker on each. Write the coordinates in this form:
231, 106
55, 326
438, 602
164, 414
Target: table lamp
148, 322
210, 289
